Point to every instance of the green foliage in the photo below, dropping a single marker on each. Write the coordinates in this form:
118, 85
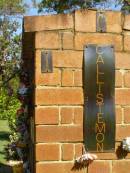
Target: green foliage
11, 7
64, 6
10, 49
8, 107
126, 6
10, 54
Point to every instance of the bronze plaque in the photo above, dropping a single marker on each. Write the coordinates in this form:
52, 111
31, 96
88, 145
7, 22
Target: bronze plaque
99, 98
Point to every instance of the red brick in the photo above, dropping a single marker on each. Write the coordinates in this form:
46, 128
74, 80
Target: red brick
60, 167
121, 166
49, 22
78, 149
47, 152
47, 115
119, 79
122, 96
114, 21
59, 96
68, 40
106, 156
78, 81
68, 58
47, 40
118, 115
50, 79
127, 41
127, 114
66, 115
122, 60
81, 39
122, 132
59, 133
127, 22
99, 166
67, 77
78, 115
127, 79
81, 24
67, 152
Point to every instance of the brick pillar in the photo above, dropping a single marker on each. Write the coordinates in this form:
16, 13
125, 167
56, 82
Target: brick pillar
59, 95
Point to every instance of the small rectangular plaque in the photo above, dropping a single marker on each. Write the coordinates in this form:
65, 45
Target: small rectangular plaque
46, 62
99, 98
100, 21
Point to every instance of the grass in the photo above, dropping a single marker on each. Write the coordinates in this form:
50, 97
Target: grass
4, 138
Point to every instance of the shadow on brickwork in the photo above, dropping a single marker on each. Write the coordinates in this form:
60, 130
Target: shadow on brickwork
120, 153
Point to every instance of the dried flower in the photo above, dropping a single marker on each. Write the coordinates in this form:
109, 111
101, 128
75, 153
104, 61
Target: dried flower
83, 161
126, 144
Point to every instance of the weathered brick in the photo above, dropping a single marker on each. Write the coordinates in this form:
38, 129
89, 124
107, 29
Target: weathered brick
127, 114
59, 96
47, 40
49, 22
78, 149
118, 115
122, 60
50, 79
106, 156
85, 20
59, 133
78, 78
67, 152
68, 58
67, 77
61, 167
122, 132
122, 166
127, 22
81, 39
47, 115
47, 152
127, 79
68, 40
114, 21
78, 115
127, 41
66, 115
119, 79
122, 96
99, 166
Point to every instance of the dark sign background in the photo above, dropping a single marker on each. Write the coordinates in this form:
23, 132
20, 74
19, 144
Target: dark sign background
90, 92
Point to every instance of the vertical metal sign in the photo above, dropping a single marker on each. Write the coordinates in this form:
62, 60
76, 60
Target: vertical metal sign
99, 94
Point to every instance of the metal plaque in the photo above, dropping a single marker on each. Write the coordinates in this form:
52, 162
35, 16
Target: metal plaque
46, 62
99, 98
101, 21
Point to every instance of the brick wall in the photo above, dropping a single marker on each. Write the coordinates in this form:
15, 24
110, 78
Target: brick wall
59, 95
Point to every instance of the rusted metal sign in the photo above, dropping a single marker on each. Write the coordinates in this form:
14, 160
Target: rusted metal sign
46, 62
100, 21
99, 94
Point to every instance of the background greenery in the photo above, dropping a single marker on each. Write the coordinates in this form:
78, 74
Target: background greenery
4, 138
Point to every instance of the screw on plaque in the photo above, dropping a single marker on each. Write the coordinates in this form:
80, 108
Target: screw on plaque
46, 62
101, 22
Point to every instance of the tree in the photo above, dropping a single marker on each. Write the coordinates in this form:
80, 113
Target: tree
126, 6
63, 6
10, 57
